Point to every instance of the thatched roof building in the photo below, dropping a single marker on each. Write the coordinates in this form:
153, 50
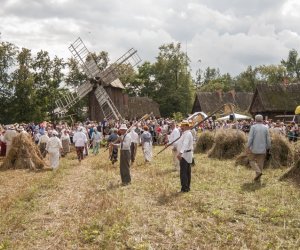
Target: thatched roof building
210, 101
139, 106
277, 99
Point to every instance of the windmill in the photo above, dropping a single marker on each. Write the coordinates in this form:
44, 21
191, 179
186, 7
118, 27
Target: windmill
97, 79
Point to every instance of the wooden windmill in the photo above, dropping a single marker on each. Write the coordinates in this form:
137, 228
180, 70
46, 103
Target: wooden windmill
97, 80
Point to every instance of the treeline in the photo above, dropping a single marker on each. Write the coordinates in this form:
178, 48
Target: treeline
30, 84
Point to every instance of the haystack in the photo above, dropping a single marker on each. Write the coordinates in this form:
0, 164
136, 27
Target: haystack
205, 142
280, 154
294, 172
228, 144
23, 154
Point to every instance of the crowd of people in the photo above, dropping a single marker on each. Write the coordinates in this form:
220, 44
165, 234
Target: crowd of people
123, 139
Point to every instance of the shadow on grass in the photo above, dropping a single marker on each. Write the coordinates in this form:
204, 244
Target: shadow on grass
166, 198
252, 186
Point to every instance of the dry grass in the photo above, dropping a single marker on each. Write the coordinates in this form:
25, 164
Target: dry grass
84, 207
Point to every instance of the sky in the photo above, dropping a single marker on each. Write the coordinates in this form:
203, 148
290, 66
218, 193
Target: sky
226, 34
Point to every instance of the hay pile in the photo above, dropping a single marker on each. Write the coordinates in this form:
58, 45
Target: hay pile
23, 154
228, 144
280, 154
294, 172
204, 142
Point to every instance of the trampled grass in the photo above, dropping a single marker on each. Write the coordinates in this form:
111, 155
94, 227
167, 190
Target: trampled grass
85, 207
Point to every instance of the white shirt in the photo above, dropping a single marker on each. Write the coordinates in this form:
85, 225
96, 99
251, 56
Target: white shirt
79, 139
185, 143
125, 145
53, 145
134, 136
175, 134
43, 139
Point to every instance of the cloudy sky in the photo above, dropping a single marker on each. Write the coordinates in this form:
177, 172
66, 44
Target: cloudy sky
228, 34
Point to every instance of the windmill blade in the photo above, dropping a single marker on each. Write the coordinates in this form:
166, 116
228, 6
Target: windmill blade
83, 57
70, 99
129, 59
108, 108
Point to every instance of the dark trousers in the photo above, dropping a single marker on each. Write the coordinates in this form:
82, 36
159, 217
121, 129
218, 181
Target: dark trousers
133, 148
125, 166
79, 151
185, 175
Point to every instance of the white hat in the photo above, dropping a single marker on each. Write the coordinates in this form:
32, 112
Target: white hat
123, 126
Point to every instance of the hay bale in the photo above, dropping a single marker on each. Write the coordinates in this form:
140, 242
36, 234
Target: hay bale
23, 154
294, 172
228, 144
204, 142
243, 160
281, 152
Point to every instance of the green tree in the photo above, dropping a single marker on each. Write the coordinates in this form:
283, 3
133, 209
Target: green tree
292, 65
271, 74
8, 53
173, 81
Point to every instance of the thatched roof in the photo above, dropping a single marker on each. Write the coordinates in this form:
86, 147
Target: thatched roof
139, 106
210, 101
275, 98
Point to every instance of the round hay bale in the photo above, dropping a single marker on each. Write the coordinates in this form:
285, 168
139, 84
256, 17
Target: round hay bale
205, 142
280, 153
23, 154
228, 144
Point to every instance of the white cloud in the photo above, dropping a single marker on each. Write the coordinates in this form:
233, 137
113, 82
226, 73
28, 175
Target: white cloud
229, 34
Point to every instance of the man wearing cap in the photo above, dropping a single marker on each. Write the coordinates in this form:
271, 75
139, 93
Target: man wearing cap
175, 134
185, 155
258, 143
125, 156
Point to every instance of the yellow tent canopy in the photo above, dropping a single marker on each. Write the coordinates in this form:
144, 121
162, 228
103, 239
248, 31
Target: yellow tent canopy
297, 110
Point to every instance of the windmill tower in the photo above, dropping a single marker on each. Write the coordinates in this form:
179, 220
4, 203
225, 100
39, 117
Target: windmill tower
97, 80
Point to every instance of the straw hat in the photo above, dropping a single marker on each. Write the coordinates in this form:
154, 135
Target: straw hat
123, 126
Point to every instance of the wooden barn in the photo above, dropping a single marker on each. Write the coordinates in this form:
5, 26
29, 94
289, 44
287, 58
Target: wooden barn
208, 102
277, 99
139, 106
129, 107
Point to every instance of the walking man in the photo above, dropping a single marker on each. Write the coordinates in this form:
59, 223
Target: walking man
80, 140
185, 155
258, 143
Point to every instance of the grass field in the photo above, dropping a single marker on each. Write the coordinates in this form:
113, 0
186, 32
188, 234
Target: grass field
85, 207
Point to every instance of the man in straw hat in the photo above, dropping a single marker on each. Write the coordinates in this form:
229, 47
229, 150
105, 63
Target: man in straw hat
125, 156
258, 143
185, 155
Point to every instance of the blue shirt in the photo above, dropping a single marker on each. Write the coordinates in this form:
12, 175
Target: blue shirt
259, 139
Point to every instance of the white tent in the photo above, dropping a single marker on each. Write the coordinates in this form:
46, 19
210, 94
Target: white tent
237, 117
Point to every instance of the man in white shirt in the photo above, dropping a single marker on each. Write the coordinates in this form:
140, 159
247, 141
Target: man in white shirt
185, 155
80, 140
43, 140
175, 134
125, 156
8, 138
